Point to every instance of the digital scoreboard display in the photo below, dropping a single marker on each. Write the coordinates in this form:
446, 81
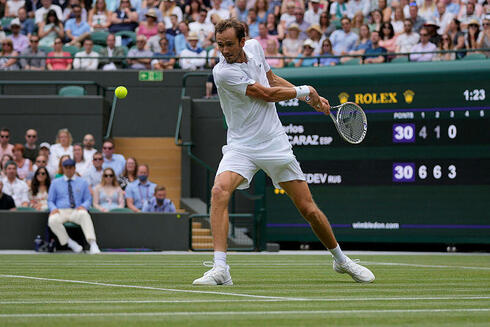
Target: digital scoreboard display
422, 174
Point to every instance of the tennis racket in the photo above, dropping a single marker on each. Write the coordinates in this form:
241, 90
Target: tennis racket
350, 121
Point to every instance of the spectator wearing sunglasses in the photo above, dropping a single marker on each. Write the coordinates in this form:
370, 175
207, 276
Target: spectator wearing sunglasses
38, 192
108, 194
31, 150
423, 46
5, 146
111, 159
37, 63
93, 176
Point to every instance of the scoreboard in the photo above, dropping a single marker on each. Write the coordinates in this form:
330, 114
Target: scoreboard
422, 174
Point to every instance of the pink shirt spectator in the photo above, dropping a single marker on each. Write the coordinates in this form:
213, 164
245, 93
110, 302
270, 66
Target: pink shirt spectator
8, 150
263, 40
59, 63
389, 45
143, 30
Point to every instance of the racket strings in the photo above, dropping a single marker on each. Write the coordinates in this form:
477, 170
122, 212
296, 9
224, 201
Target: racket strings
352, 123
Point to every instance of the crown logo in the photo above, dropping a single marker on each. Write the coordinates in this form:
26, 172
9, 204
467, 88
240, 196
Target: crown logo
343, 97
408, 94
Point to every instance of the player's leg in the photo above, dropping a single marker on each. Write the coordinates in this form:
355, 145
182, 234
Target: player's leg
224, 185
300, 194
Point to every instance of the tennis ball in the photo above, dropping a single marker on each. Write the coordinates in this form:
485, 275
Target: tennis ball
121, 92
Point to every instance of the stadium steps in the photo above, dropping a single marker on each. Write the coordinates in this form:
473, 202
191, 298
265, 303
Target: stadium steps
163, 157
201, 237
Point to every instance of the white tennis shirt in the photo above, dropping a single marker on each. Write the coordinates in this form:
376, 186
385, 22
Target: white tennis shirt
250, 121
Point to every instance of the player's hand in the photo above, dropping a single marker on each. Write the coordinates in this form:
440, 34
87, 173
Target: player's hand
325, 106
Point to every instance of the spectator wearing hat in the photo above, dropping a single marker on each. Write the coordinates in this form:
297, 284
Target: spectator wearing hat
442, 17
6, 201
111, 50
37, 60
423, 46
315, 34
68, 201
192, 50
148, 27
87, 59
5, 146
44, 151
264, 36
305, 58
473, 35
343, 40
203, 29
432, 28
291, 45
20, 41
15, 187
374, 54
47, 5
140, 56
417, 21
159, 202
150, 4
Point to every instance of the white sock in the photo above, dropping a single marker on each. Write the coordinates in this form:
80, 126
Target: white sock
92, 242
220, 258
337, 253
72, 244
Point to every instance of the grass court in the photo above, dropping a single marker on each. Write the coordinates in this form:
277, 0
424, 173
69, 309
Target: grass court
270, 290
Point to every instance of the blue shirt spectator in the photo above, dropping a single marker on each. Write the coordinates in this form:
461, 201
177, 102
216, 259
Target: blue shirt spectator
140, 192
59, 197
307, 62
165, 205
343, 40
117, 163
180, 43
77, 29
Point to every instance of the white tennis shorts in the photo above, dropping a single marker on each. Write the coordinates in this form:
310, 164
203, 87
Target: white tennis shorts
274, 157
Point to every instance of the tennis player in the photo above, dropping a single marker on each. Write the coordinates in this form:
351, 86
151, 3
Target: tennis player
256, 139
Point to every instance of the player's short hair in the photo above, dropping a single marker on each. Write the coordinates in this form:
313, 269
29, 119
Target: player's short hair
231, 23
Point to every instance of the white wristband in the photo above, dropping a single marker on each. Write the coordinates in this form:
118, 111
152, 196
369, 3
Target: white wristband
302, 91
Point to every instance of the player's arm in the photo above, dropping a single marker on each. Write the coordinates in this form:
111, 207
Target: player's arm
275, 80
281, 93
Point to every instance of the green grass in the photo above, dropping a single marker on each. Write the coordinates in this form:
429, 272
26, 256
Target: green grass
309, 292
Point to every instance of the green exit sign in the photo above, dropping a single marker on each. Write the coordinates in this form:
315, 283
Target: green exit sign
150, 76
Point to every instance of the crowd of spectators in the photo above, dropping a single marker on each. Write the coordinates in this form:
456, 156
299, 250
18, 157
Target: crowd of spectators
29, 170
163, 34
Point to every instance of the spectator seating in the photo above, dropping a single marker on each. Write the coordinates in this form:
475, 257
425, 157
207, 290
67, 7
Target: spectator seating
72, 91
99, 37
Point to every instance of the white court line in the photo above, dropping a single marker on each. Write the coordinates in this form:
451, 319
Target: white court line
346, 299
422, 266
233, 313
150, 288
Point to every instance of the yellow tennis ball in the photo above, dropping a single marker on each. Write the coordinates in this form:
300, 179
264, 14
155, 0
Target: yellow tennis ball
121, 92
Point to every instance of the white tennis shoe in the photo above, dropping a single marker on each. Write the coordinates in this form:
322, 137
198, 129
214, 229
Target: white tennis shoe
218, 275
358, 273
